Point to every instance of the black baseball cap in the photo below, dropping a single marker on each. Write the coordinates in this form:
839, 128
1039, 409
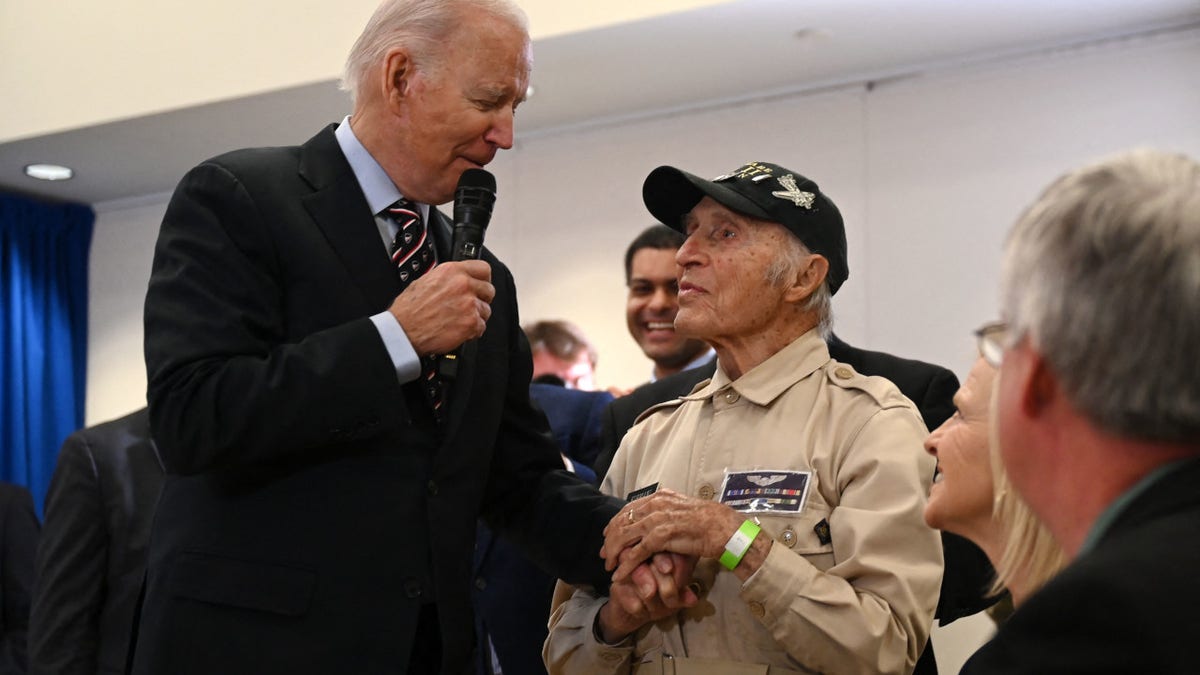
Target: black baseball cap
760, 190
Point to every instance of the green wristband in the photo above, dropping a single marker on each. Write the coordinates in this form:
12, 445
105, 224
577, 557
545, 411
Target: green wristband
739, 543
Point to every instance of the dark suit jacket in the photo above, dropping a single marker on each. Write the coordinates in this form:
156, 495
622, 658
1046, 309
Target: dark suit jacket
968, 573
92, 556
19, 539
512, 595
1127, 606
312, 505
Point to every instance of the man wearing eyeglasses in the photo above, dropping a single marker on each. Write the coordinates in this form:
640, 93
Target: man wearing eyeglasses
1098, 409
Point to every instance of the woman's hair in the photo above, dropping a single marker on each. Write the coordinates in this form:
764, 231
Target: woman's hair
1030, 555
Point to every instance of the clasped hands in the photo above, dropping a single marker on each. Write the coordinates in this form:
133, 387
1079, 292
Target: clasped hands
653, 544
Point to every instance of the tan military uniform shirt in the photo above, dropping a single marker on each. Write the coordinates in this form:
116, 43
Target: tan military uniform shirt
851, 582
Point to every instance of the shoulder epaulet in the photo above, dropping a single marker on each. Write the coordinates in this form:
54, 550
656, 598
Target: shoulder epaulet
881, 389
671, 403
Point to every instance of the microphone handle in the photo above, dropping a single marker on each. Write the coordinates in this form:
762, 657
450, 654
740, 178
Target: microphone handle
468, 242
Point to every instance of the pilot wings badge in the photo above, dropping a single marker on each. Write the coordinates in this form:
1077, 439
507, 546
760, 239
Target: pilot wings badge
793, 193
764, 481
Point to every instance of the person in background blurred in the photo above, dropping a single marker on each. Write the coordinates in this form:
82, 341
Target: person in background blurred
562, 354
653, 301
19, 530
92, 557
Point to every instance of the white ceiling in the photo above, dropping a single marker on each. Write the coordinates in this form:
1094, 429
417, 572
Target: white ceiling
720, 53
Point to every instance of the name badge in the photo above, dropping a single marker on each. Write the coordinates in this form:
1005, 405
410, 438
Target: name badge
642, 492
765, 491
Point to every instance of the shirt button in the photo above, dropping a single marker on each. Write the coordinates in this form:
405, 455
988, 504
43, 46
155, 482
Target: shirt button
412, 588
432, 487
480, 583
731, 396
843, 373
706, 492
788, 537
757, 610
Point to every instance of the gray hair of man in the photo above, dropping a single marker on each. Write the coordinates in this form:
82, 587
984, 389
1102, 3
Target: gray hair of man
786, 265
1102, 273
421, 26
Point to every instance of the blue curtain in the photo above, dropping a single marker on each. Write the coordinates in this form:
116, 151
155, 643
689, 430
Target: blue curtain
43, 333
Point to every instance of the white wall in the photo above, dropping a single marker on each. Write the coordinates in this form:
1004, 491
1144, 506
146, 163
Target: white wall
929, 172
147, 56
122, 250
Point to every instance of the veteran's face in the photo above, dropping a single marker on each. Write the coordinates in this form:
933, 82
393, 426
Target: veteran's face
724, 294
960, 500
461, 115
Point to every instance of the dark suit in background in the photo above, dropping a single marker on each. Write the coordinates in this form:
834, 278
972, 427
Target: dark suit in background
968, 573
512, 595
92, 557
19, 539
1126, 606
316, 517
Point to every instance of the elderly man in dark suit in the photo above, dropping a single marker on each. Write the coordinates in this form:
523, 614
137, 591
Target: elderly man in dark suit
1098, 416
325, 473
92, 557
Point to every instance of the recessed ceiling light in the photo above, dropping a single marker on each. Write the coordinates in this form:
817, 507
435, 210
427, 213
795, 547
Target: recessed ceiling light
49, 172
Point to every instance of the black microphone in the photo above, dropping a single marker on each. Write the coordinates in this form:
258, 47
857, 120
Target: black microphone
473, 201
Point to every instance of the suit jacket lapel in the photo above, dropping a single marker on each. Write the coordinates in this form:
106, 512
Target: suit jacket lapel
338, 207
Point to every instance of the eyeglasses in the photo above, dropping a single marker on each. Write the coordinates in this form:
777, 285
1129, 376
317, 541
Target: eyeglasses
993, 339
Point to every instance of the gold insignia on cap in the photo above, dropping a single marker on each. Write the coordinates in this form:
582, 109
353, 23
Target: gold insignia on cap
793, 193
748, 170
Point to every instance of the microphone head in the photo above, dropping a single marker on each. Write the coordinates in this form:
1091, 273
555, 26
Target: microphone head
474, 198
473, 201
477, 178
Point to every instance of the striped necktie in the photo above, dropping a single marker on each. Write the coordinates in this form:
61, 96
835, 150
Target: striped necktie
414, 254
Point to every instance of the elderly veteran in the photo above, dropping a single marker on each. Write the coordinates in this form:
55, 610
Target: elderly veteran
797, 483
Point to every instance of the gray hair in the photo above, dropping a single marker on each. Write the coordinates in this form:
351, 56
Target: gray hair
785, 266
421, 26
1102, 274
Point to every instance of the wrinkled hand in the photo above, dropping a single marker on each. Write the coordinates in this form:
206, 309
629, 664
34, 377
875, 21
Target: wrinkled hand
666, 521
447, 306
653, 591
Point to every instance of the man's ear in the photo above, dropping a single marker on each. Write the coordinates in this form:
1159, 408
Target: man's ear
396, 77
1039, 385
808, 278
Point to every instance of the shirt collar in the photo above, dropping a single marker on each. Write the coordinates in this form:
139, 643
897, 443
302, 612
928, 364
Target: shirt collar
1119, 505
377, 187
766, 381
694, 363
